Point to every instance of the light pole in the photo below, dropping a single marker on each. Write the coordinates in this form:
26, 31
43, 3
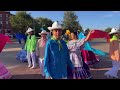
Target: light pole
34, 25
119, 26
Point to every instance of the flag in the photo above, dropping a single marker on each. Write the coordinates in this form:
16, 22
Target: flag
88, 47
100, 34
3, 40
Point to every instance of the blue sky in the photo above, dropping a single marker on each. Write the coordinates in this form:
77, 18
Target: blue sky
87, 19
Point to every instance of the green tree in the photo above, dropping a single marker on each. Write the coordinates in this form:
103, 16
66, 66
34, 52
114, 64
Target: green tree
87, 31
108, 29
44, 23
21, 21
70, 21
36, 27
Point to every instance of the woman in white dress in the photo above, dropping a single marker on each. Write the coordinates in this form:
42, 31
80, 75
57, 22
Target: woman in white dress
75, 46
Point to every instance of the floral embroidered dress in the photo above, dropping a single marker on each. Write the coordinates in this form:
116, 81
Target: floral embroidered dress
75, 48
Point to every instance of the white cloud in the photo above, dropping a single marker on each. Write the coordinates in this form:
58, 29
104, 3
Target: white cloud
108, 16
116, 11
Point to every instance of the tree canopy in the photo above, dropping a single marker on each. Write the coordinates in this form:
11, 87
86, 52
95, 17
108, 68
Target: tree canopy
70, 21
21, 21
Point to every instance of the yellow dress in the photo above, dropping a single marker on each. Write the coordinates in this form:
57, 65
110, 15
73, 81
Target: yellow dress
114, 49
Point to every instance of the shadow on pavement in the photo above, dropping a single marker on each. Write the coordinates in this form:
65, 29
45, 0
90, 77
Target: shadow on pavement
104, 62
99, 74
27, 76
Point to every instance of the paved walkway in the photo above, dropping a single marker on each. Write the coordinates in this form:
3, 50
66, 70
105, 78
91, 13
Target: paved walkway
20, 70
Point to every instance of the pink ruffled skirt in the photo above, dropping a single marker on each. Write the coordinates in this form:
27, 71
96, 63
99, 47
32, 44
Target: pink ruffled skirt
4, 73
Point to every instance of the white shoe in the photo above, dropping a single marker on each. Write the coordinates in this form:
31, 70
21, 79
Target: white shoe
110, 76
107, 75
33, 67
43, 75
29, 66
115, 77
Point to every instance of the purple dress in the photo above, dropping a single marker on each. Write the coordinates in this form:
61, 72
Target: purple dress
75, 48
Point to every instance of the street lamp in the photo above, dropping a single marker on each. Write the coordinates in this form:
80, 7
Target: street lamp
34, 25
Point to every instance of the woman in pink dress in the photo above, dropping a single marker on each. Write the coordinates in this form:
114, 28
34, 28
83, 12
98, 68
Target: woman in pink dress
75, 46
4, 73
